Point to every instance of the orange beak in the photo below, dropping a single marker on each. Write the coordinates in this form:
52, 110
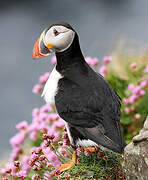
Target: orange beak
41, 49
36, 52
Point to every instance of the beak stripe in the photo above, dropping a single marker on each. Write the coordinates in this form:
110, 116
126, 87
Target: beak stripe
43, 49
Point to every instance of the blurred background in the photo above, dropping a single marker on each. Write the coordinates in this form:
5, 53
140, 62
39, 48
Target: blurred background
99, 23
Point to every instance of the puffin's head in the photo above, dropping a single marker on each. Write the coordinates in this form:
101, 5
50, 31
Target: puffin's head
56, 38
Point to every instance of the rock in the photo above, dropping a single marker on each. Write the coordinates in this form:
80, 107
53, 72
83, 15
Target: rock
141, 137
143, 134
136, 156
146, 124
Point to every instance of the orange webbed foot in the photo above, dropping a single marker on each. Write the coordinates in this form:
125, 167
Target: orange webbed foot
70, 164
91, 149
66, 166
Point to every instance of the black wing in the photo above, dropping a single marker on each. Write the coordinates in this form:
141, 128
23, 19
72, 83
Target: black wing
87, 102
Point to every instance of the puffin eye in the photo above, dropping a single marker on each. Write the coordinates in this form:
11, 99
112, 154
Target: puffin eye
55, 32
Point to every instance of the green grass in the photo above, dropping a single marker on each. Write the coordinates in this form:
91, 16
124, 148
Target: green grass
92, 167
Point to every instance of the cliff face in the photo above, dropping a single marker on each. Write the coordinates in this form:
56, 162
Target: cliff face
136, 156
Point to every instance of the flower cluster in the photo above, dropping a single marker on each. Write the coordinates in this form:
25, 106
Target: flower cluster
46, 130
103, 68
135, 96
37, 89
135, 91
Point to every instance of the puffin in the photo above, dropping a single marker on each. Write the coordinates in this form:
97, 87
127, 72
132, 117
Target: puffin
83, 98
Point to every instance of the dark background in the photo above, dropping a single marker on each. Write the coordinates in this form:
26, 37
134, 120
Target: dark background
100, 24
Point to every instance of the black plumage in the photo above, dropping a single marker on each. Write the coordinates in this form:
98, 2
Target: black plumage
87, 102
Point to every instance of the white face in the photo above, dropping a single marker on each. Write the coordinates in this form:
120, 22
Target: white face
60, 37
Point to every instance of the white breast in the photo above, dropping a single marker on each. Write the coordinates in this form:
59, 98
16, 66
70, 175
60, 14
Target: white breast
51, 87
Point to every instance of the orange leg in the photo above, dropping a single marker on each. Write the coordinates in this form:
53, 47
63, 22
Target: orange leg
70, 164
91, 149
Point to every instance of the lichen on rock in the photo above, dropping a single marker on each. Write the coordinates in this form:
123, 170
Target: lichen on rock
136, 156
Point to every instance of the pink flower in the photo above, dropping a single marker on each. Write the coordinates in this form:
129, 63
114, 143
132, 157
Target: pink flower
56, 172
32, 150
56, 136
35, 112
44, 78
44, 127
22, 174
34, 126
44, 145
54, 60
88, 60
47, 175
15, 153
103, 70
133, 66
18, 139
12, 167
92, 61
107, 59
43, 116
62, 150
52, 117
26, 168
79, 151
67, 176
52, 157
16, 149
14, 156
46, 108
141, 93
37, 89
133, 98
38, 150
58, 124
65, 135
126, 101
130, 86
22, 125
25, 159
137, 116
143, 84
34, 157
36, 177
3, 171
127, 110
95, 61
146, 69
36, 121
136, 90
33, 135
